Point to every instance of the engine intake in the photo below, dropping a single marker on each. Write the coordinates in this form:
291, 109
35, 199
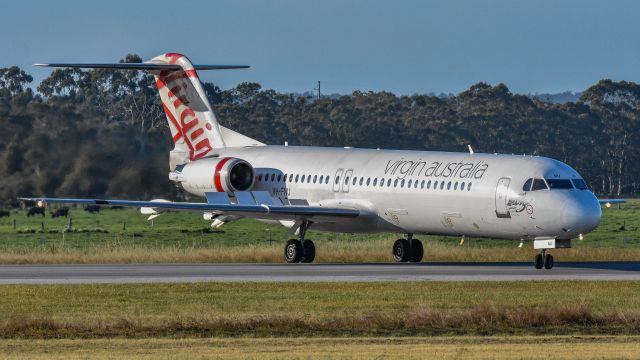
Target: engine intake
216, 174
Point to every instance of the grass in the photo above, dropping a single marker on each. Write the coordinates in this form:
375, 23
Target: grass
498, 347
319, 309
124, 236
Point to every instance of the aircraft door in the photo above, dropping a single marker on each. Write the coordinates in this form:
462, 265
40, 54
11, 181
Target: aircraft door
347, 180
336, 180
502, 196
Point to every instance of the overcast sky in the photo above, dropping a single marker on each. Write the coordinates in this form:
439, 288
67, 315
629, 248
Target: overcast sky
401, 46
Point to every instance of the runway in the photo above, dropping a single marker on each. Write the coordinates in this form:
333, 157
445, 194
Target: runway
174, 273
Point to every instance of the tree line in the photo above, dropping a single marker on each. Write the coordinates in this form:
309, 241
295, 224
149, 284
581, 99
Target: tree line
103, 133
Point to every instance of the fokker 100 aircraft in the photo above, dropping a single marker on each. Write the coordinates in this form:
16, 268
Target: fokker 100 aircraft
355, 190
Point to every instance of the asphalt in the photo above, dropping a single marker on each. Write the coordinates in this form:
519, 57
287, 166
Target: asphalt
173, 273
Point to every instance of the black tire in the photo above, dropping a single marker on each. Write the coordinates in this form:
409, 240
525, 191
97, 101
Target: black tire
293, 251
538, 261
417, 251
548, 261
309, 251
401, 250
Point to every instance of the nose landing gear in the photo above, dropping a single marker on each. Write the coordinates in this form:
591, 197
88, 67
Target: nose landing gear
408, 250
543, 260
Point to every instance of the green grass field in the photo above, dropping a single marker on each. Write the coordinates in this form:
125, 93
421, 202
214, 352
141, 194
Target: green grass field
125, 236
320, 309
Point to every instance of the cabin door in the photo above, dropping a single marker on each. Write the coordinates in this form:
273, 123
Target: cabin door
502, 196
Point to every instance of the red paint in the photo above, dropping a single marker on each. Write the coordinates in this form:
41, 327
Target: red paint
174, 122
216, 175
173, 57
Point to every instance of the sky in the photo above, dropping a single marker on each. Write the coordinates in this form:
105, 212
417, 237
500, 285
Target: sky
404, 47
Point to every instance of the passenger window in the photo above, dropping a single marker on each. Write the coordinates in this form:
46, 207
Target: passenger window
355, 179
260, 177
315, 177
395, 183
409, 183
388, 182
538, 184
442, 185
375, 181
290, 177
422, 184
469, 187
462, 186
279, 177
346, 180
337, 179
326, 179
368, 181
435, 185
273, 177
308, 179
402, 183
455, 186
361, 181
527, 185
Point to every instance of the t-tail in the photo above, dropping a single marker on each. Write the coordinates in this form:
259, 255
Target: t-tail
194, 127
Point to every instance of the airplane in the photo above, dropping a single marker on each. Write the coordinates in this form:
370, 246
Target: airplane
352, 190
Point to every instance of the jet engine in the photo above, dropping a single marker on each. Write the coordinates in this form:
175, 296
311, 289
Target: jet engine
215, 175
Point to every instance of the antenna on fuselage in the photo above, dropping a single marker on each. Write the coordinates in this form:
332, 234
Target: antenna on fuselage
470, 150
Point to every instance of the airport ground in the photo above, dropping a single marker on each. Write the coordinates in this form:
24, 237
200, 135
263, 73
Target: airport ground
125, 236
476, 320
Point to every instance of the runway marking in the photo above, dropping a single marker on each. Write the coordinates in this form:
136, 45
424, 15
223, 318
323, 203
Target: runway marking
172, 273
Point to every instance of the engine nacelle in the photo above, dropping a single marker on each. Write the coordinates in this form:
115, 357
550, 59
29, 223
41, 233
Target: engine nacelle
215, 175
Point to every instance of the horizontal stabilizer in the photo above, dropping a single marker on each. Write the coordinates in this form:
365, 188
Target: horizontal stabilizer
142, 66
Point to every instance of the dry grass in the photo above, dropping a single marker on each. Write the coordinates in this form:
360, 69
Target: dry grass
486, 319
327, 252
510, 347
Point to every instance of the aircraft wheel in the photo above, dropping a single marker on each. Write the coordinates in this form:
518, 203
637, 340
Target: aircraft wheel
417, 251
401, 250
548, 261
293, 251
538, 261
309, 251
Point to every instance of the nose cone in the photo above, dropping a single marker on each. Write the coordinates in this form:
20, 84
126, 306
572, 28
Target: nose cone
581, 213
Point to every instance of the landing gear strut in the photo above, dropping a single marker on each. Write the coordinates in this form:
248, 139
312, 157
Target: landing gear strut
408, 249
300, 250
543, 260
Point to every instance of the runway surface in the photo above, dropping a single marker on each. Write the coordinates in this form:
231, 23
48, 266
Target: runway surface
150, 273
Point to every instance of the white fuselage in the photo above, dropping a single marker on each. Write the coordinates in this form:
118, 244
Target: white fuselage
424, 192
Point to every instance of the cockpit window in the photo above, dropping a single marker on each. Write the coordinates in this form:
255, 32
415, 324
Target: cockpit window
538, 184
559, 184
527, 185
579, 184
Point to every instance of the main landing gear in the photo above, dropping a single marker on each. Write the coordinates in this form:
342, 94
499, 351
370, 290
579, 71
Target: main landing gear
300, 250
408, 250
543, 259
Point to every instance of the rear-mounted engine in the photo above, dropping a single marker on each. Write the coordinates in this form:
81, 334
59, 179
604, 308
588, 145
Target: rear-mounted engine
214, 174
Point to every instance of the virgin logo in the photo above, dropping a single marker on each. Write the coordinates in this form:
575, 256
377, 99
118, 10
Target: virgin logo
190, 126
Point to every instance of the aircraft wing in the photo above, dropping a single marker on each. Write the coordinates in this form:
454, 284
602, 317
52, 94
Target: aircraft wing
248, 204
609, 202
